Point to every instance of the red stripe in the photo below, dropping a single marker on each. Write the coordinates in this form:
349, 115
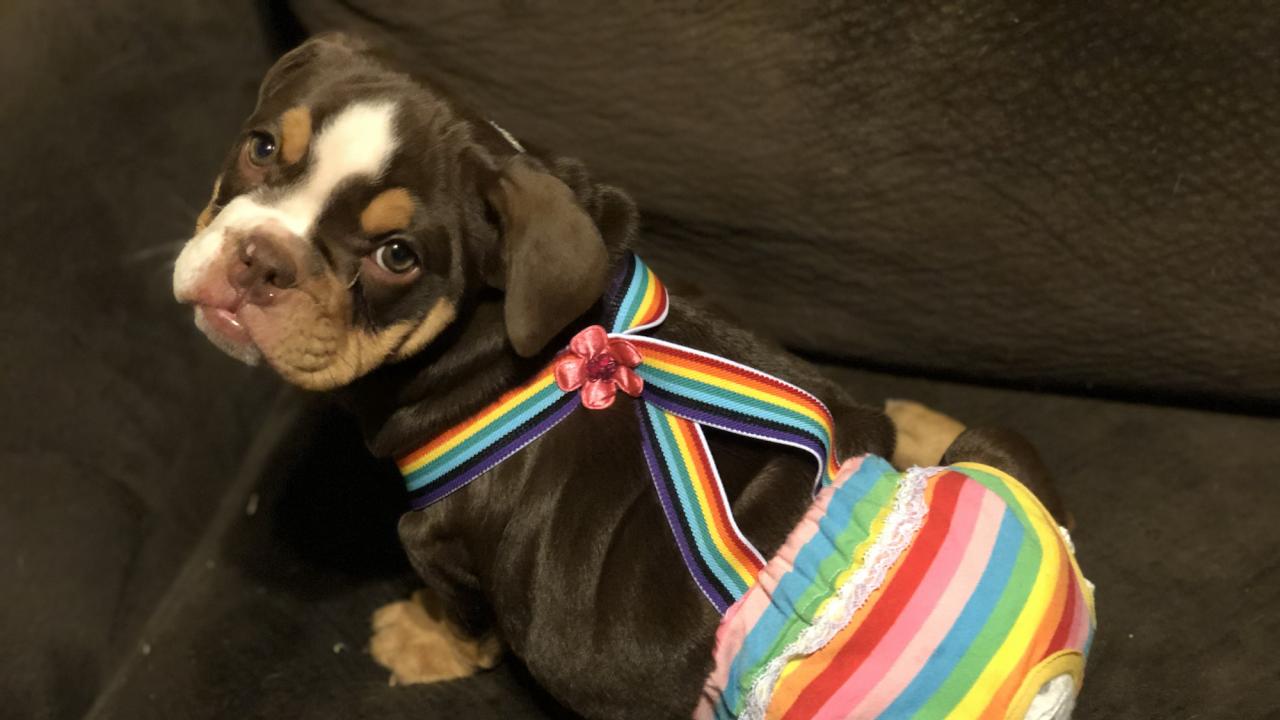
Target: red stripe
767, 384
893, 599
1061, 634
465, 425
1061, 598
662, 302
657, 307
716, 366
719, 512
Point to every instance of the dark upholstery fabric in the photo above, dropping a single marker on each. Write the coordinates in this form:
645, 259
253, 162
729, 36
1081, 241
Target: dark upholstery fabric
120, 427
1083, 197
1037, 194
272, 618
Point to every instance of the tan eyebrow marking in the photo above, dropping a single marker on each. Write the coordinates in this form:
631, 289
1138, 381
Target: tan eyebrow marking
206, 215
295, 134
390, 210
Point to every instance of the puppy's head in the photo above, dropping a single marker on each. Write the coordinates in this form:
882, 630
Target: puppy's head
358, 211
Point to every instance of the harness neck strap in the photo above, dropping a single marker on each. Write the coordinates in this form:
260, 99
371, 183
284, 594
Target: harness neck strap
678, 390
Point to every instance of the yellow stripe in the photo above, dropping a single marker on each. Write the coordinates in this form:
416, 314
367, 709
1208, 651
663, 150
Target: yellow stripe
771, 398
704, 503
647, 300
481, 422
1063, 662
1032, 615
877, 528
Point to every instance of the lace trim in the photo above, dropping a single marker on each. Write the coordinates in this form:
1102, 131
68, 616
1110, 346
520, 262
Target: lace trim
900, 527
1066, 538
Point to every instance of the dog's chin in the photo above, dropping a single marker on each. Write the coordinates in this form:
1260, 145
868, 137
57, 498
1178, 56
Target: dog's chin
227, 333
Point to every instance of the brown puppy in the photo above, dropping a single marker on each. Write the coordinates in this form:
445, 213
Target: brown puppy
370, 236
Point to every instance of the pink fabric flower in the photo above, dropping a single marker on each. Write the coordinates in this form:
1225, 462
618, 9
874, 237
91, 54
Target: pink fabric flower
599, 365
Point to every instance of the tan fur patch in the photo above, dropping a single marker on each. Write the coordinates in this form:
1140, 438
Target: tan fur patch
306, 339
206, 215
924, 434
391, 210
414, 640
314, 348
295, 134
431, 326
327, 365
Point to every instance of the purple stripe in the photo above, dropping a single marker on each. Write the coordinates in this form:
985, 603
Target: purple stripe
740, 427
657, 472
618, 289
497, 454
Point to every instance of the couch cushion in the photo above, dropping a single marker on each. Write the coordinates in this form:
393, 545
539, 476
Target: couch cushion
270, 618
122, 427
1054, 194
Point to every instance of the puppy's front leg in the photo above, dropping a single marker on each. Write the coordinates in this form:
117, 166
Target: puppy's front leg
418, 643
446, 630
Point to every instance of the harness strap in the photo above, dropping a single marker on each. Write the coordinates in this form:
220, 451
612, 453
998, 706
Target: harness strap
679, 390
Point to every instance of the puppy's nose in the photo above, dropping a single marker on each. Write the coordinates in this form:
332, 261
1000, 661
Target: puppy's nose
264, 264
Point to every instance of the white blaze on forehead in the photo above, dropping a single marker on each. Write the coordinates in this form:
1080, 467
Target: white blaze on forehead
357, 142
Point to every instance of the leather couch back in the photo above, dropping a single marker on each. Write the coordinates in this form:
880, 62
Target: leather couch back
123, 427
1039, 193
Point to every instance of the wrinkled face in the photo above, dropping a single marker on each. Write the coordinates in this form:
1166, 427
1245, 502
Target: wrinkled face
338, 232
356, 213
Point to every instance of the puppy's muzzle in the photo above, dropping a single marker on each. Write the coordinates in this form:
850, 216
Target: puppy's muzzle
265, 263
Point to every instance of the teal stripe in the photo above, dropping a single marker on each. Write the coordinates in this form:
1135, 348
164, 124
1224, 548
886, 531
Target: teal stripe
508, 422
944, 660
683, 483
487, 437
1002, 610
856, 502
635, 293
722, 398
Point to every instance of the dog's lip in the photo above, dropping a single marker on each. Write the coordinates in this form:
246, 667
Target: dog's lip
226, 323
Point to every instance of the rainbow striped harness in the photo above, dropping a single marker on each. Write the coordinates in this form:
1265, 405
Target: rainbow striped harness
939, 592
683, 389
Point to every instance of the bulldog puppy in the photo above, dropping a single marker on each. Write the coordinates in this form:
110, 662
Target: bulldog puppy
371, 236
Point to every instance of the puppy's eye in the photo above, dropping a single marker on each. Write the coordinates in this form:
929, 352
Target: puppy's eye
262, 147
396, 257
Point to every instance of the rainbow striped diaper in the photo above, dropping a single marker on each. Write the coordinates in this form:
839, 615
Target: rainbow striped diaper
935, 593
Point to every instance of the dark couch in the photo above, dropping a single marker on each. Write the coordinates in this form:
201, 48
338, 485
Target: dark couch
1034, 214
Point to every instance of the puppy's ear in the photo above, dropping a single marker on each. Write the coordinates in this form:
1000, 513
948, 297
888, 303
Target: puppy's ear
331, 46
553, 264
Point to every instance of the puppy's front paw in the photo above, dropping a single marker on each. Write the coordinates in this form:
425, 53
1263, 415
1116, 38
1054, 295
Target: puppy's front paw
924, 434
418, 647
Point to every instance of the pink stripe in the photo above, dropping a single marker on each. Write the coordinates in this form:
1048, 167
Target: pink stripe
743, 615
1080, 626
747, 612
948, 608
927, 618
